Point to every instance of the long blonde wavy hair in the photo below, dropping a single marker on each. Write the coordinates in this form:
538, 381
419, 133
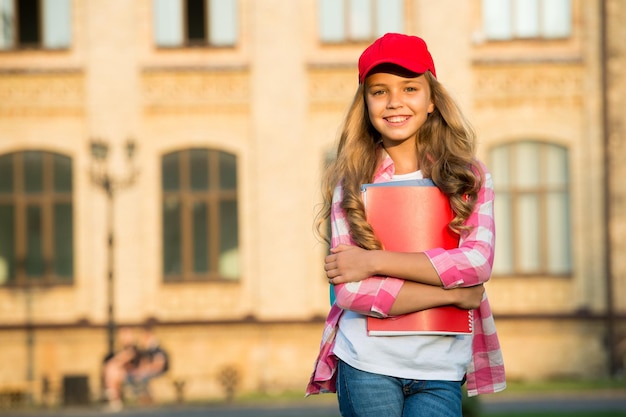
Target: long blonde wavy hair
445, 148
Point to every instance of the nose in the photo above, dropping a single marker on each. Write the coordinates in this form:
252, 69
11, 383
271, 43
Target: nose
394, 101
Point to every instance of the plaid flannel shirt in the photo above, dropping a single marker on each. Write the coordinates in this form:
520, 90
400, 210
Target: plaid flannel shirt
469, 264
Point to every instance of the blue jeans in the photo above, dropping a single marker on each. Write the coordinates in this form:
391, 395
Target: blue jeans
363, 394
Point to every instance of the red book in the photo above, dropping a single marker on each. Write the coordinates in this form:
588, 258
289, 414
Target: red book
413, 216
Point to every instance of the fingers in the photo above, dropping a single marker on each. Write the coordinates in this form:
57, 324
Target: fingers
334, 280
330, 266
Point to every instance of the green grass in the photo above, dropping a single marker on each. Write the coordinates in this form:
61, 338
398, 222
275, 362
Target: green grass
569, 386
559, 414
565, 385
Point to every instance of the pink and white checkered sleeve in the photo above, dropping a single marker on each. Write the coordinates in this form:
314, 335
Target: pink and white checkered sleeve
470, 264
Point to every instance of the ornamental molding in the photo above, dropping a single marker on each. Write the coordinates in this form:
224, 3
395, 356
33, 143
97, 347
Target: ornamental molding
42, 94
195, 91
536, 85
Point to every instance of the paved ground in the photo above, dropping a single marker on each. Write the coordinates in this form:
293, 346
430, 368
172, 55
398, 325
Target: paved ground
613, 400
315, 407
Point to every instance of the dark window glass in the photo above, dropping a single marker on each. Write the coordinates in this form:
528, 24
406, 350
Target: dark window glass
172, 251
196, 13
229, 240
6, 174
199, 169
62, 173
34, 242
228, 171
7, 243
200, 238
29, 21
63, 240
171, 172
33, 172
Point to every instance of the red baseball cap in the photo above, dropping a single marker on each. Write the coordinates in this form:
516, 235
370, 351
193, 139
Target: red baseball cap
409, 52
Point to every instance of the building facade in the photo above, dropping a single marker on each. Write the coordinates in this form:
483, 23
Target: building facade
160, 164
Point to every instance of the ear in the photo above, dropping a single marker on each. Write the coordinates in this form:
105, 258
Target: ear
431, 107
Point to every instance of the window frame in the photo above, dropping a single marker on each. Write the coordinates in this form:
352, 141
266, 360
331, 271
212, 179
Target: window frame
45, 40
514, 34
186, 198
374, 30
47, 201
515, 192
209, 41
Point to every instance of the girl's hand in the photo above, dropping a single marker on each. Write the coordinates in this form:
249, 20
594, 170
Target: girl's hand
469, 298
347, 263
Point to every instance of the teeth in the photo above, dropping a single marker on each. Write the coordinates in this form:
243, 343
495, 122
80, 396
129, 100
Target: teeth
397, 119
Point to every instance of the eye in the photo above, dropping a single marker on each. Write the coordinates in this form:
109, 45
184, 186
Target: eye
377, 92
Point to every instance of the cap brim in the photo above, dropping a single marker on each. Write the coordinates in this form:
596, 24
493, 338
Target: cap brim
411, 67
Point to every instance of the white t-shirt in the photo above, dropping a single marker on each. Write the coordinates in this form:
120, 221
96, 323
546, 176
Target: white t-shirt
418, 357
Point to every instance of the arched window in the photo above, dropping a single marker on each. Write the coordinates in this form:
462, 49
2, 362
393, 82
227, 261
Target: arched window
532, 209
36, 226
200, 215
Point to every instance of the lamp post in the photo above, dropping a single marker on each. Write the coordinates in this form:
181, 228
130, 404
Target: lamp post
110, 183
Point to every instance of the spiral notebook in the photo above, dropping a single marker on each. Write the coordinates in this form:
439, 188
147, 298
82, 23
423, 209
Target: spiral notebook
413, 216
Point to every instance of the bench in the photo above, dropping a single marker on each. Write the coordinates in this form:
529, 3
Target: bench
14, 394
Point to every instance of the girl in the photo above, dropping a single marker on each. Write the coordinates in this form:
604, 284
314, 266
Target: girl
403, 124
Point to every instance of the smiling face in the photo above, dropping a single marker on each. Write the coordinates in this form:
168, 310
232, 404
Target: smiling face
398, 105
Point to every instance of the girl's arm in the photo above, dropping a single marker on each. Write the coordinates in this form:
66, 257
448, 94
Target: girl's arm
414, 296
382, 297
348, 263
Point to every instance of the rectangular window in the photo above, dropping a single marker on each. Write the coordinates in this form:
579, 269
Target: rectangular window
358, 20
35, 24
180, 23
526, 19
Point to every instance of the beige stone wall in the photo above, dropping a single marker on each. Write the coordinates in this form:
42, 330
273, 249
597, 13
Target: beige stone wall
616, 71
616, 131
276, 101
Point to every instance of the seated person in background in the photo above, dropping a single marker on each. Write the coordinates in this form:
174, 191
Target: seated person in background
153, 362
117, 368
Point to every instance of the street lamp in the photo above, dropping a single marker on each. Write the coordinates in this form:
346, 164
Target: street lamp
110, 183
